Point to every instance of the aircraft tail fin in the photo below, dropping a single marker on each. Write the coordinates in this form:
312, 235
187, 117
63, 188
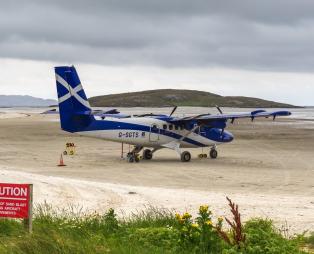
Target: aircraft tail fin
75, 110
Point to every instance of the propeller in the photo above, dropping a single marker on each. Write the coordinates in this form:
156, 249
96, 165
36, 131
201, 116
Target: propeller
219, 109
174, 110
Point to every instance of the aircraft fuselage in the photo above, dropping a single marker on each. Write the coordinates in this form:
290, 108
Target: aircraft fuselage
154, 132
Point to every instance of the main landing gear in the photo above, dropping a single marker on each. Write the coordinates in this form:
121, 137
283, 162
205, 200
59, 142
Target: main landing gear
185, 156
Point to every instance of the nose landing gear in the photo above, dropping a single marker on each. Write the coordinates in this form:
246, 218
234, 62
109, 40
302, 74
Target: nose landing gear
213, 153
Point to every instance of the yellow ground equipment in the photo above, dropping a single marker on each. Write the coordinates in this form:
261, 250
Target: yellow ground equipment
70, 149
202, 156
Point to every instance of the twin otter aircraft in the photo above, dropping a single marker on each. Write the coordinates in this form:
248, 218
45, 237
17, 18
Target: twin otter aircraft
148, 130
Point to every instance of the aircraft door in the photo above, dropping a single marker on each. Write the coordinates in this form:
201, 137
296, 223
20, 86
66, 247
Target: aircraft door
154, 133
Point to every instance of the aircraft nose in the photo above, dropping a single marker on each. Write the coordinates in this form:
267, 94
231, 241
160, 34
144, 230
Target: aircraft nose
227, 136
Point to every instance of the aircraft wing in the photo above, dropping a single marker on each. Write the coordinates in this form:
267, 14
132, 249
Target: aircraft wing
208, 118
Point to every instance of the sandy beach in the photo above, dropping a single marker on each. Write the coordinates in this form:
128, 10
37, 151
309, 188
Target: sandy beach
268, 170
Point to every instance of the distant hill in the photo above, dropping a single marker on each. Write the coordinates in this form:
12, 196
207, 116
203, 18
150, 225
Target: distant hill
24, 101
171, 97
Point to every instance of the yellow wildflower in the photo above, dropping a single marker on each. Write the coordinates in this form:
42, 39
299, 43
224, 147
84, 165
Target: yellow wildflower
178, 216
203, 208
209, 223
220, 219
186, 216
194, 225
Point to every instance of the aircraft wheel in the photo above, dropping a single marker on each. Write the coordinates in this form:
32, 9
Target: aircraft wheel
147, 154
213, 153
185, 156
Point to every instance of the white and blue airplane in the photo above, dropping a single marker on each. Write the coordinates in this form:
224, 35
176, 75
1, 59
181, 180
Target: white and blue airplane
150, 131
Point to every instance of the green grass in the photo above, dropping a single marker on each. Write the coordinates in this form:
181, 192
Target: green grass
153, 231
309, 241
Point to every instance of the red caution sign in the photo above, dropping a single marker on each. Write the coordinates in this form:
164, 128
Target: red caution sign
15, 200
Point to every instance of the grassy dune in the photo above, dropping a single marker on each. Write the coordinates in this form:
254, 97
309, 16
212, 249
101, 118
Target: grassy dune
153, 231
172, 97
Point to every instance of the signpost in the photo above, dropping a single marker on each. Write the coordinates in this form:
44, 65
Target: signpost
16, 201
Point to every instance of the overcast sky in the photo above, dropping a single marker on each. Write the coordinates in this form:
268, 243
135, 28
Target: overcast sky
252, 48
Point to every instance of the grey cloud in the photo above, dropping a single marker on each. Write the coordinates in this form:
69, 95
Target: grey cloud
247, 34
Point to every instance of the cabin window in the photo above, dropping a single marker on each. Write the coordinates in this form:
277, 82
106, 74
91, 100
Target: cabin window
182, 127
170, 127
164, 126
176, 127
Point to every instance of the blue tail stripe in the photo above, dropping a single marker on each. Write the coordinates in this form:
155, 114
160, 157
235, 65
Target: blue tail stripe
61, 90
71, 102
82, 94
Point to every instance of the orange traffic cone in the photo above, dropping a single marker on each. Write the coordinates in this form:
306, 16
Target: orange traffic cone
61, 163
